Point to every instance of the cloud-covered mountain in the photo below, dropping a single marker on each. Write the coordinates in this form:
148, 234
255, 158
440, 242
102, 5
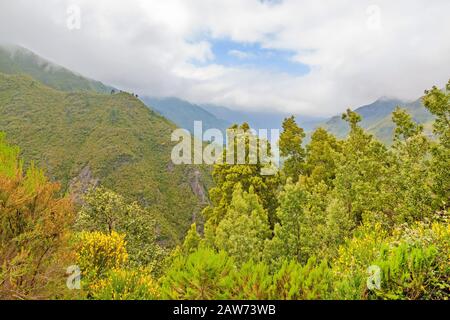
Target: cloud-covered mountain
183, 113
377, 118
15, 60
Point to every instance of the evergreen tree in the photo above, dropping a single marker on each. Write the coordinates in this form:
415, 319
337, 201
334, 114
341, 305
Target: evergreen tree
321, 156
245, 227
291, 148
438, 103
249, 175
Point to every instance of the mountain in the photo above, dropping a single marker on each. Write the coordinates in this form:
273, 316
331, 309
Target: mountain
377, 118
184, 113
18, 60
85, 138
260, 120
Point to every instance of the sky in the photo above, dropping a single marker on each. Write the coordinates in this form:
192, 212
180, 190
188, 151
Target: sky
308, 57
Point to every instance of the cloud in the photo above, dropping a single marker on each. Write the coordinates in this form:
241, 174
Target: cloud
357, 51
240, 54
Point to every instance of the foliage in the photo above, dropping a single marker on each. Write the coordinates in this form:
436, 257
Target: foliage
245, 227
81, 138
345, 219
227, 176
291, 148
106, 211
126, 284
203, 274
98, 253
34, 224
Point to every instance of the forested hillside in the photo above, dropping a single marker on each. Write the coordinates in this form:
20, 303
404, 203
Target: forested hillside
83, 139
343, 219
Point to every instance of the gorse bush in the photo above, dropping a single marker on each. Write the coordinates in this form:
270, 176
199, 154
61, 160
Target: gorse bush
97, 253
125, 284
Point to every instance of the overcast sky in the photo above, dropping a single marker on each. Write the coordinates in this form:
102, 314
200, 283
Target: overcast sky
293, 56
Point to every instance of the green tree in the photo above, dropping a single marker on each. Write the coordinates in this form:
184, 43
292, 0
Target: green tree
438, 103
248, 175
321, 156
361, 174
409, 171
245, 227
192, 241
291, 148
106, 211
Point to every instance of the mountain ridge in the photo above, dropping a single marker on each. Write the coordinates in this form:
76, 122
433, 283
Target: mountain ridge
15, 59
85, 138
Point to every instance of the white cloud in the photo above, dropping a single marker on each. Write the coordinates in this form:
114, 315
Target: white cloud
357, 50
240, 54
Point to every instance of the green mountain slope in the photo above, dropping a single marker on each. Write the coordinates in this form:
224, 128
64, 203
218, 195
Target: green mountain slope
15, 60
183, 113
86, 138
377, 118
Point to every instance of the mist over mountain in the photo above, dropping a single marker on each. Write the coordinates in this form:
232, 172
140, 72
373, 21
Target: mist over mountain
18, 60
377, 118
183, 113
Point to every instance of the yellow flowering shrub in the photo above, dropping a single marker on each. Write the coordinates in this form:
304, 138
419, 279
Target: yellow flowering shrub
126, 284
97, 253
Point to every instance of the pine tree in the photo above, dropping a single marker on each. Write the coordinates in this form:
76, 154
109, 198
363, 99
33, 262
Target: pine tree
321, 156
248, 175
291, 148
245, 227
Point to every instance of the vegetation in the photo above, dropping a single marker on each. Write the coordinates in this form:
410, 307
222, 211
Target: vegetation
345, 219
86, 139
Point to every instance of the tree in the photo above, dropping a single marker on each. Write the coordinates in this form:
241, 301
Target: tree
409, 171
106, 211
300, 233
245, 227
296, 282
192, 240
438, 103
361, 174
321, 157
291, 148
34, 229
249, 175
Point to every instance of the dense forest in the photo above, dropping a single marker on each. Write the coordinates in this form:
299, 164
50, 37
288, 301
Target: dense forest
343, 219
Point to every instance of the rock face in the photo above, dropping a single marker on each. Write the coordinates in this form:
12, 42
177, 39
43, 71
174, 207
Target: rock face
79, 185
197, 187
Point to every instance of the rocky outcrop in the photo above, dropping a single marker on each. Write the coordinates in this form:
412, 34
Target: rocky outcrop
197, 187
79, 185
